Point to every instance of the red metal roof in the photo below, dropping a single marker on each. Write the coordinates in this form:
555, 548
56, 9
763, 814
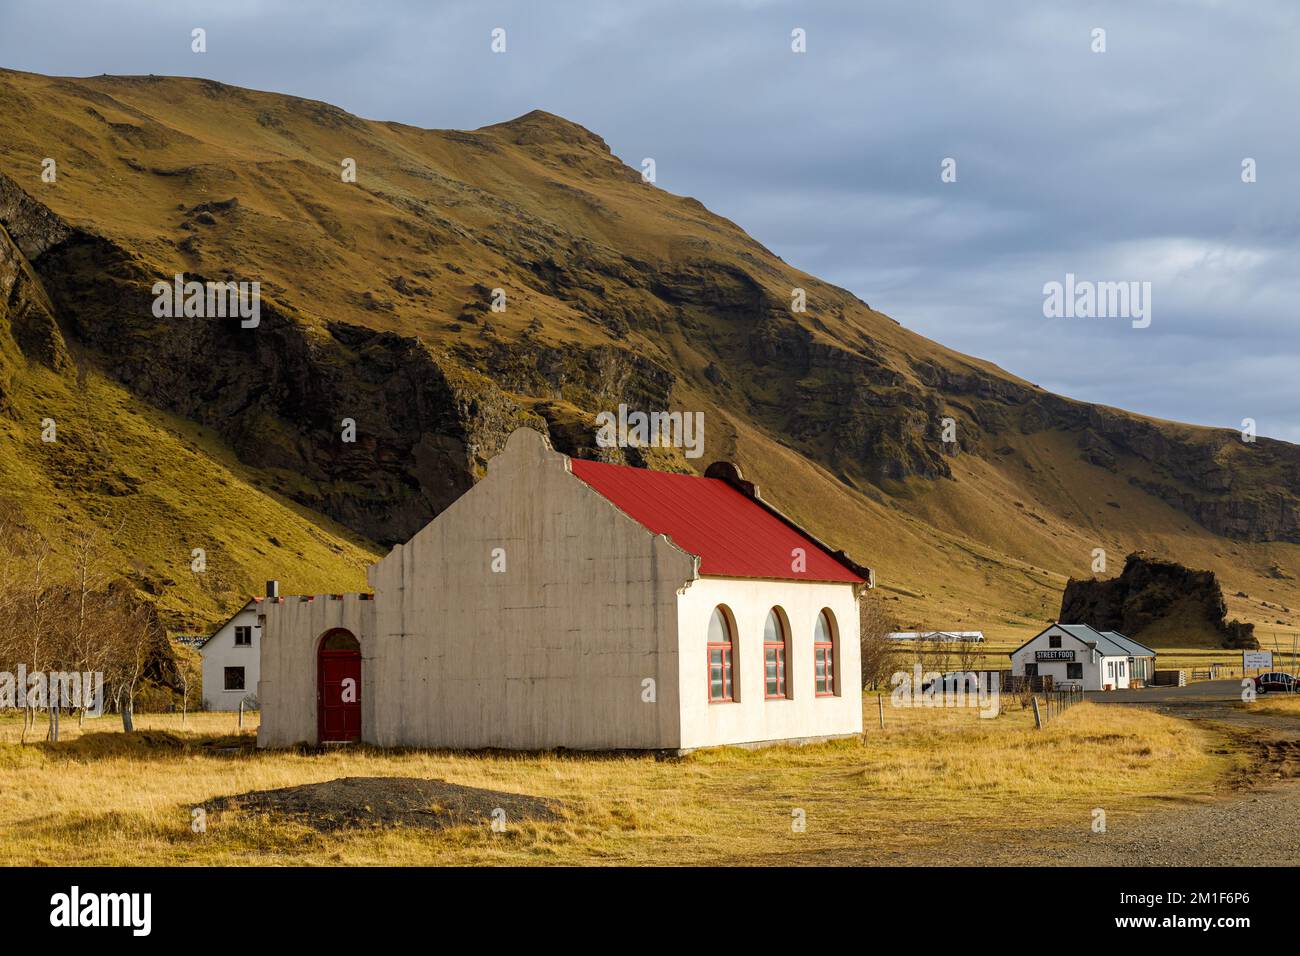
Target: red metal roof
733, 535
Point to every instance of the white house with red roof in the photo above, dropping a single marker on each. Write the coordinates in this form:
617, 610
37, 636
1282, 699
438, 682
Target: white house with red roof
578, 604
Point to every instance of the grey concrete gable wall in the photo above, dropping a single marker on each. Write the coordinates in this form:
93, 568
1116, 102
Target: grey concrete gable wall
290, 639
552, 651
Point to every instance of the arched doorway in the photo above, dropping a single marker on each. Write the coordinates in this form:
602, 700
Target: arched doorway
338, 687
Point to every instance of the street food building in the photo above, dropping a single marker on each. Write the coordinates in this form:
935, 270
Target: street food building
1076, 655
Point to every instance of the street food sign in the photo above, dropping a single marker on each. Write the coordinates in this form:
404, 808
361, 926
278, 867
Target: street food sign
1057, 655
1256, 660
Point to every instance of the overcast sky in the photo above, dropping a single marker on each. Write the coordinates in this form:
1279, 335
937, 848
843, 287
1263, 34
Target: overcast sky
1123, 165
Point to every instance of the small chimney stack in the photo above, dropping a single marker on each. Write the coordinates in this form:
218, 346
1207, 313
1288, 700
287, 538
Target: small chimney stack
273, 589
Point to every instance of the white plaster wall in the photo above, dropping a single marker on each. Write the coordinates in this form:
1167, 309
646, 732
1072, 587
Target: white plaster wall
221, 652
291, 633
752, 719
553, 651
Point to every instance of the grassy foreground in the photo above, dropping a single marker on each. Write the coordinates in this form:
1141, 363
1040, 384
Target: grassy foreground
898, 795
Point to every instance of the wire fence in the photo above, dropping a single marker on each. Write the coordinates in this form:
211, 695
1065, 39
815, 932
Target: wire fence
1055, 703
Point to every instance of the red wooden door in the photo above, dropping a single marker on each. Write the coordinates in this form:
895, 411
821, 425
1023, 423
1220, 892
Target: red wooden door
338, 691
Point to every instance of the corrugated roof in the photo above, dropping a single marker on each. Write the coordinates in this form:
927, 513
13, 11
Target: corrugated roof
1090, 635
1134, 648
733, 535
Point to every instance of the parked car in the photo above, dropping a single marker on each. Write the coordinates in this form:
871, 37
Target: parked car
1277, 681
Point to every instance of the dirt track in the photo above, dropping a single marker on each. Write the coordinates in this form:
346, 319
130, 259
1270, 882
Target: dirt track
1256, 820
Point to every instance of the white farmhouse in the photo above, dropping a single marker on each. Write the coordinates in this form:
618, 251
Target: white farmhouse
1079, 656
578, 604
232, 657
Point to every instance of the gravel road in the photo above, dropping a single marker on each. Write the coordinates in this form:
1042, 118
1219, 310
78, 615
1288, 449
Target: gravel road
1255, 820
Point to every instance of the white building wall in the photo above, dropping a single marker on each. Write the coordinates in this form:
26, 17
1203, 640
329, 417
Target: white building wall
287, 689
752, 718
551, 652
221, 652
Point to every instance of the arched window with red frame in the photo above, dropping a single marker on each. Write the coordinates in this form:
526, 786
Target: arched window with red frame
824, 654
722, 649
776, 645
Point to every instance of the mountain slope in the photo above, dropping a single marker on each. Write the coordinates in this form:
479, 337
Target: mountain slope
377, 307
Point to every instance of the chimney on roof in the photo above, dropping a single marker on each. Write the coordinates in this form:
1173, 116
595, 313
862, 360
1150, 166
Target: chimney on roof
273, 589
730, 473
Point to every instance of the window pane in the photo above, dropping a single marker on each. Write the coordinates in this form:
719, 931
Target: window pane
773, 632
719, 630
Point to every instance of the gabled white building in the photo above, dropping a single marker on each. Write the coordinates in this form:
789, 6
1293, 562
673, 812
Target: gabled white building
577, 604
1079, 656
945, 637
232, 657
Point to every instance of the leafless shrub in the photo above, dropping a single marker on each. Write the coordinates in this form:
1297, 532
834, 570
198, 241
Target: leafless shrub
879, 657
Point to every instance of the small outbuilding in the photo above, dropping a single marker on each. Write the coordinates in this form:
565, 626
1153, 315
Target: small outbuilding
1076, 655
578, 604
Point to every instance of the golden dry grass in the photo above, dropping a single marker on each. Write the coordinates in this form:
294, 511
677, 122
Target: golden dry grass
1280, 705
904, 794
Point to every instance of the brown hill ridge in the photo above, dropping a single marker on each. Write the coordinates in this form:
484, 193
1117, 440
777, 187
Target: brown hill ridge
377, 306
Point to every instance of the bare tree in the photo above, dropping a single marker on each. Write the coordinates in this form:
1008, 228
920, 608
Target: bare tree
879, 656
34, 617
967, 654
132, 636
942, 654
89, 644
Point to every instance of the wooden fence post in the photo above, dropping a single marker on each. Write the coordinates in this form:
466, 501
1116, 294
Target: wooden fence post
1038, 717
881, 701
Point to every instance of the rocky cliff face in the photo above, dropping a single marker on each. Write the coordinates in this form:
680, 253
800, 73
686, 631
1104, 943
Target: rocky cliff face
26, 313
1147, 593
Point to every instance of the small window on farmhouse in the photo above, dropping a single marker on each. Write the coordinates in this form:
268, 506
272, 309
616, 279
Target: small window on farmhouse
824, 654
1110, 668
1054, 640
722, 647
243, 636
234, 678
775, 646
1074, 672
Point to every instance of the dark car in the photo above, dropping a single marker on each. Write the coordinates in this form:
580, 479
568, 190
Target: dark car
1278, 681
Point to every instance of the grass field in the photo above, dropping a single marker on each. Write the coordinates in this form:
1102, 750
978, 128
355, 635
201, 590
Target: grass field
1281, 705
899, 795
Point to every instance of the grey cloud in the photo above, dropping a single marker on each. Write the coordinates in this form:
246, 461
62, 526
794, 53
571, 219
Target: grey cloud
1123, 165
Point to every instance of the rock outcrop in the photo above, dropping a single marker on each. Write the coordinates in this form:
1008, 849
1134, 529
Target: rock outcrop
1150, 592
